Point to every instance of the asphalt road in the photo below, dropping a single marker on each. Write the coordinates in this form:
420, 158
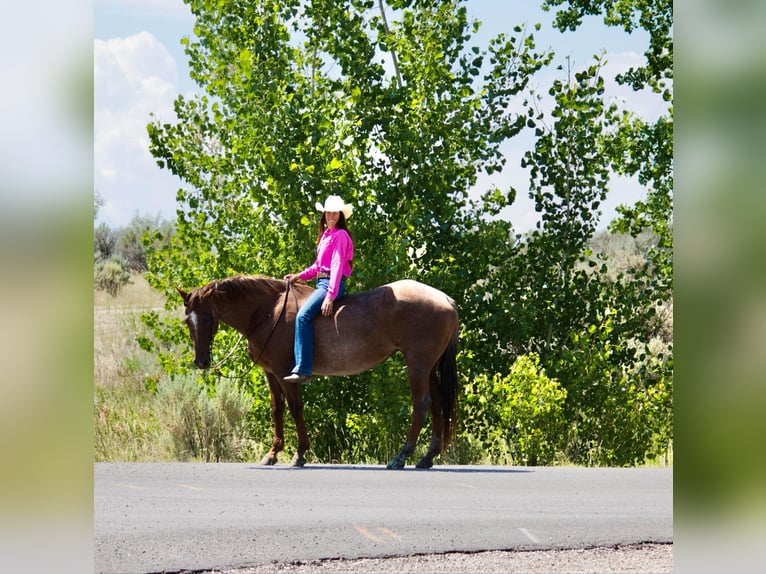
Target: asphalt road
154, 517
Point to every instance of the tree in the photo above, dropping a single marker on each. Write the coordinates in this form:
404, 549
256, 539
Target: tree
654, 16
104, 242
143, 235
391, 106
641, 149
302, 100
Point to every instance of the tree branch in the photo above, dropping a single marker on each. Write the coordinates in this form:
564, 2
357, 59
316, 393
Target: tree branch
399, 81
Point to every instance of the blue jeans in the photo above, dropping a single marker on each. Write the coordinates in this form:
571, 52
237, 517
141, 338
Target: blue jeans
304, 326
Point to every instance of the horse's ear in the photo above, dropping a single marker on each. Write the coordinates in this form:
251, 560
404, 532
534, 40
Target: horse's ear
184, 295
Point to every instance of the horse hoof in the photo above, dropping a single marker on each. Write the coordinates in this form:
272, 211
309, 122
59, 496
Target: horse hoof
395, 464
298, 461
268, 460
424, 463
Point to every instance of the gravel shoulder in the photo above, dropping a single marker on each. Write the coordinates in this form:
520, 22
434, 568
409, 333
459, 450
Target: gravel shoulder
641, 558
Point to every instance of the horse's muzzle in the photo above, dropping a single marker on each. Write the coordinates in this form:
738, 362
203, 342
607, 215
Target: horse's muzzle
202, 363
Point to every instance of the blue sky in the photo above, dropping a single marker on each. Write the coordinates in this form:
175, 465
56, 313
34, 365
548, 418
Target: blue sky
140, 67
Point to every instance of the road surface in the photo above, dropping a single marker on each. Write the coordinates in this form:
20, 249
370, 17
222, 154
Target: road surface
157, 517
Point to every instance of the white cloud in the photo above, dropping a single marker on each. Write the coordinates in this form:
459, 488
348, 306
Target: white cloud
133, 78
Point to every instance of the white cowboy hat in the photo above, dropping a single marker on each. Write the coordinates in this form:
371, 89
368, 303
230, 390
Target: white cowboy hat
335, 203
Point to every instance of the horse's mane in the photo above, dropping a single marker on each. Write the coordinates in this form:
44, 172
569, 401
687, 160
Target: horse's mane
242, 286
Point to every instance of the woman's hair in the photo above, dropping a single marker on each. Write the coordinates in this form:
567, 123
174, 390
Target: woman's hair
340, 225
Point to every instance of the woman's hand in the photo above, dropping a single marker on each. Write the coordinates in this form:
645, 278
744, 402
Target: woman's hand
327, 306
291, 277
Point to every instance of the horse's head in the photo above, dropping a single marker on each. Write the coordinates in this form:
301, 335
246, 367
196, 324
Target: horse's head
202, 324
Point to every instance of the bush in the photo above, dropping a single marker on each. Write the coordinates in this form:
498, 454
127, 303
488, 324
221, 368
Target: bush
104, 242
619, 397
519, 416
200, 426
111, 275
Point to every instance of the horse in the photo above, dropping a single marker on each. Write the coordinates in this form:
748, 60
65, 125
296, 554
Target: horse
364, 329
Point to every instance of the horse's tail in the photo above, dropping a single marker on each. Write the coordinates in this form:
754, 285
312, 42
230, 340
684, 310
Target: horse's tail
449, 386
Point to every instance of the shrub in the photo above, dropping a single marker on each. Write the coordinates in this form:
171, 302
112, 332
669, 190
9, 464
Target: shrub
111, 275
519, 415
104, 242
619, 397
201, 426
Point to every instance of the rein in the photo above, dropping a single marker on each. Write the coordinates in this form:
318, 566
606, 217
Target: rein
215, 367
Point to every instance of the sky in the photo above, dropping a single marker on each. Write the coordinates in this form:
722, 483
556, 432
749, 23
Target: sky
140, 68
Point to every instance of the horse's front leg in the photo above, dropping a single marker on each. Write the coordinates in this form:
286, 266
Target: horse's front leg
278, 419
294, 403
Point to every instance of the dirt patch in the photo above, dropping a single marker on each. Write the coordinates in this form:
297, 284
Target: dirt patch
648, 558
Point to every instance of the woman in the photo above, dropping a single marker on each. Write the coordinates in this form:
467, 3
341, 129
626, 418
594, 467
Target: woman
335, 250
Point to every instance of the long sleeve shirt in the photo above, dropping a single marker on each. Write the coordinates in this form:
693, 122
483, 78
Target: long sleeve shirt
335, 251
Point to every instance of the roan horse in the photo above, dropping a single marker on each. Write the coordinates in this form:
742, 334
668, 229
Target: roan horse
364, 330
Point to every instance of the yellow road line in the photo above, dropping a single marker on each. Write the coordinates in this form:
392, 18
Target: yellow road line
370, 536
130, 486
391, 533
367, 534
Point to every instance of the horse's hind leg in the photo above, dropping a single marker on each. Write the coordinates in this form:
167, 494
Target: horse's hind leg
437, 421
421, 401
278, 418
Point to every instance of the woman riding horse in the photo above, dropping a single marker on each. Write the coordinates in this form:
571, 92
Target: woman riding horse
335, 250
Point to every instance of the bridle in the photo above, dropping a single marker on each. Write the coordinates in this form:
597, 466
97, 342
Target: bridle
288, 290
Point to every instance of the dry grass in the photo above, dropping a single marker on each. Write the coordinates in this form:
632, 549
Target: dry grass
126, 427
118, 360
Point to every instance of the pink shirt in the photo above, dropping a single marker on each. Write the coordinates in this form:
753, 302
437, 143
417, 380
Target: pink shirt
334, 253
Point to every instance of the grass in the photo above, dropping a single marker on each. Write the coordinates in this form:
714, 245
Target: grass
132, 421
118, 360
126, 427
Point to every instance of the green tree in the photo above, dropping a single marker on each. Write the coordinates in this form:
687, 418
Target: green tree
391, 106
611, 349
300, 101
641, 149
653, 16
143, 235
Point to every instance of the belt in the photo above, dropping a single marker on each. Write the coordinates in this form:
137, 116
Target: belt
323, 275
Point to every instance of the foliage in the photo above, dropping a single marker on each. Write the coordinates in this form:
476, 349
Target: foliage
619, 416
142, 236
639, 148
111, 275
200, 424
354, 421
104, 242
118, 252
654, 16
133, 243
400, 116
521, 413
